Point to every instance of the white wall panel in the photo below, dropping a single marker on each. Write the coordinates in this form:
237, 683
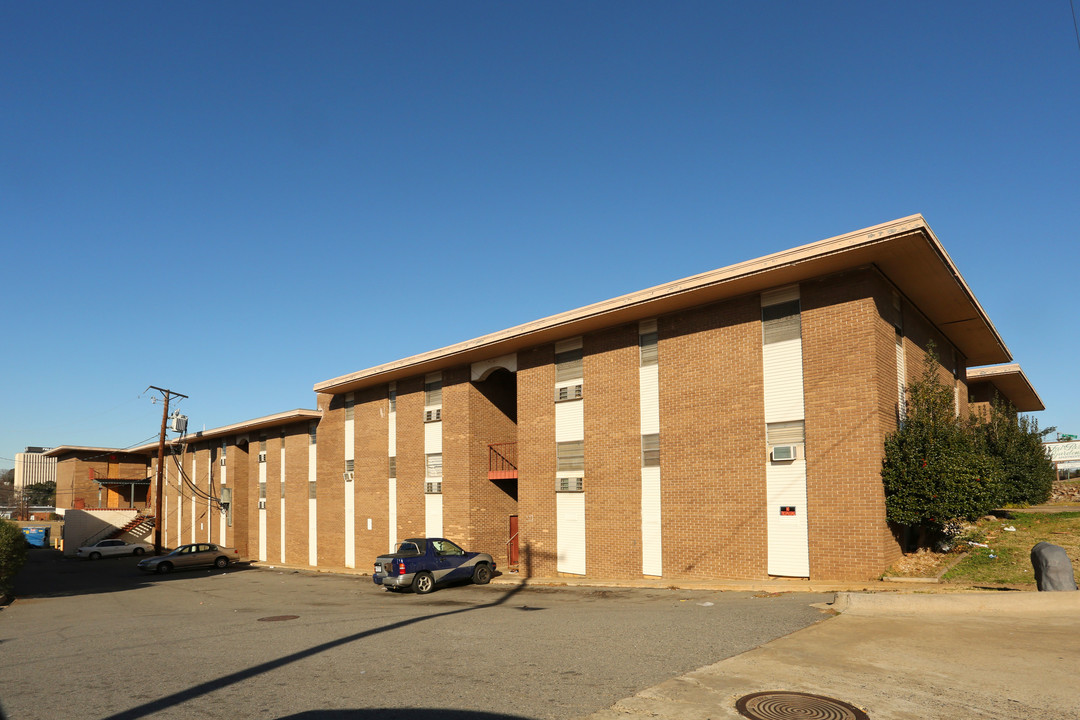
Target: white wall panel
432, 437
901, 378
649, 381
783, 381
350, 524
570, 421
313, 510
224, 519
262, 514
392, 514
651, 538
350, 439
433, 515
789, 553
570, 530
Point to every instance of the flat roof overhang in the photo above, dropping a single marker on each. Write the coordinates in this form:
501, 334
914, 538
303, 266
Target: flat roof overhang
262, 423
56, 452
906, 251
1011, 383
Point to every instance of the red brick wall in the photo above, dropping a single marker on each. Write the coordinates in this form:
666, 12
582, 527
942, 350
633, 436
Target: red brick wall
410, 457
371, 474
612, 452
330, 495
850, 390
712, 441
238, 462
536, 461
490, 503
296, 494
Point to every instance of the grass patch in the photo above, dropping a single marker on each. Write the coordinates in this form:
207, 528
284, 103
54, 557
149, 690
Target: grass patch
1008, 559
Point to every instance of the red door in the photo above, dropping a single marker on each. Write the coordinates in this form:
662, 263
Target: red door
513, 543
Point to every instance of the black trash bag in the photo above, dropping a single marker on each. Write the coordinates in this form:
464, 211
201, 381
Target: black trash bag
1053, 570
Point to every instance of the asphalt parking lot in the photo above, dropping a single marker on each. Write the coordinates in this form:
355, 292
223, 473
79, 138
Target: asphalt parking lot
101, 640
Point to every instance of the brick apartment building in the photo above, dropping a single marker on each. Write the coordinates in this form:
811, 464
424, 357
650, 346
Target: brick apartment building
727, 425
1004, 382
99, 478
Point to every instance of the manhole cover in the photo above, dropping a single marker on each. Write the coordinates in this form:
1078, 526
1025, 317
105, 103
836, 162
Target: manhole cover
278, 618
796, 706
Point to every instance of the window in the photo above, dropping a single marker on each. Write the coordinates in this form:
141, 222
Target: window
312, 432
786, 433
569, 484
224, 447
648, 342
433, 392
433, 465
393, 467
568, 392
781, 322
350, 409
568, 365
393, 397
570, 456
262, 491
785, 440
350, 465
262, 444
312, 490
650, 450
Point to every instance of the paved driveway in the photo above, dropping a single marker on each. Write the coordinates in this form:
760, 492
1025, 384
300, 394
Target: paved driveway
100, 640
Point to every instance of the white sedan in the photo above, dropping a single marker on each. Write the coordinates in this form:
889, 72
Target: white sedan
108, 548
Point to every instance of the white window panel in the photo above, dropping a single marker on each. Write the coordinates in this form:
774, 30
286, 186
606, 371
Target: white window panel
570, 532
652, 559
392, 440
783, 373
649, 382
433, 515
432, 438
570, 421
785, 487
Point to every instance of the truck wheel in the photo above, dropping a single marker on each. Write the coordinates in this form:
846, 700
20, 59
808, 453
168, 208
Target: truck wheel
482, 574
423, 583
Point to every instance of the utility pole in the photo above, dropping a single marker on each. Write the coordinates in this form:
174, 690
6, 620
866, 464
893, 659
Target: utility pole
161, 465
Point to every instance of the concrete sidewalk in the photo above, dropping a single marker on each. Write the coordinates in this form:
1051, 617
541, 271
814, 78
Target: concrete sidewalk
896, 656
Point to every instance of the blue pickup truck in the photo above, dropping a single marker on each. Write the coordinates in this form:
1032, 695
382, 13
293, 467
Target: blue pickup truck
420, 563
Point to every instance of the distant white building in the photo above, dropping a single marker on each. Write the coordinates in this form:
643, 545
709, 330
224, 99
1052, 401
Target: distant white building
32, 467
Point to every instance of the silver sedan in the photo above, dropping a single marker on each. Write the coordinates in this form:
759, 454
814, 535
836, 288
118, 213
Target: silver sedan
194, 555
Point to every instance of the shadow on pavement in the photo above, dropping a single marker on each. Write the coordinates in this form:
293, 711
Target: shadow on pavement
155, 706
400, 714
47, 573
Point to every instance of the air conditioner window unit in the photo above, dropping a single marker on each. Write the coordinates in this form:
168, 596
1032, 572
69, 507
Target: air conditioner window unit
347, 475
783, 452
262, 457
222, 461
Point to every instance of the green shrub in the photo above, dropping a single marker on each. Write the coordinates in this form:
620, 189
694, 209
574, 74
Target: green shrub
935, 474
1017, 443
12, 554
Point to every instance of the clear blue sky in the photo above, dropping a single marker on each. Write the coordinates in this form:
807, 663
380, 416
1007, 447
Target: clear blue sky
238, 200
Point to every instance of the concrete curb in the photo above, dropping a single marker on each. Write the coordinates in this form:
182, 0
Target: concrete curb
960, 603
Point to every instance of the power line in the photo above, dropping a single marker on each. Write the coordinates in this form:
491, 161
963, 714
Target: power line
1076, 28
